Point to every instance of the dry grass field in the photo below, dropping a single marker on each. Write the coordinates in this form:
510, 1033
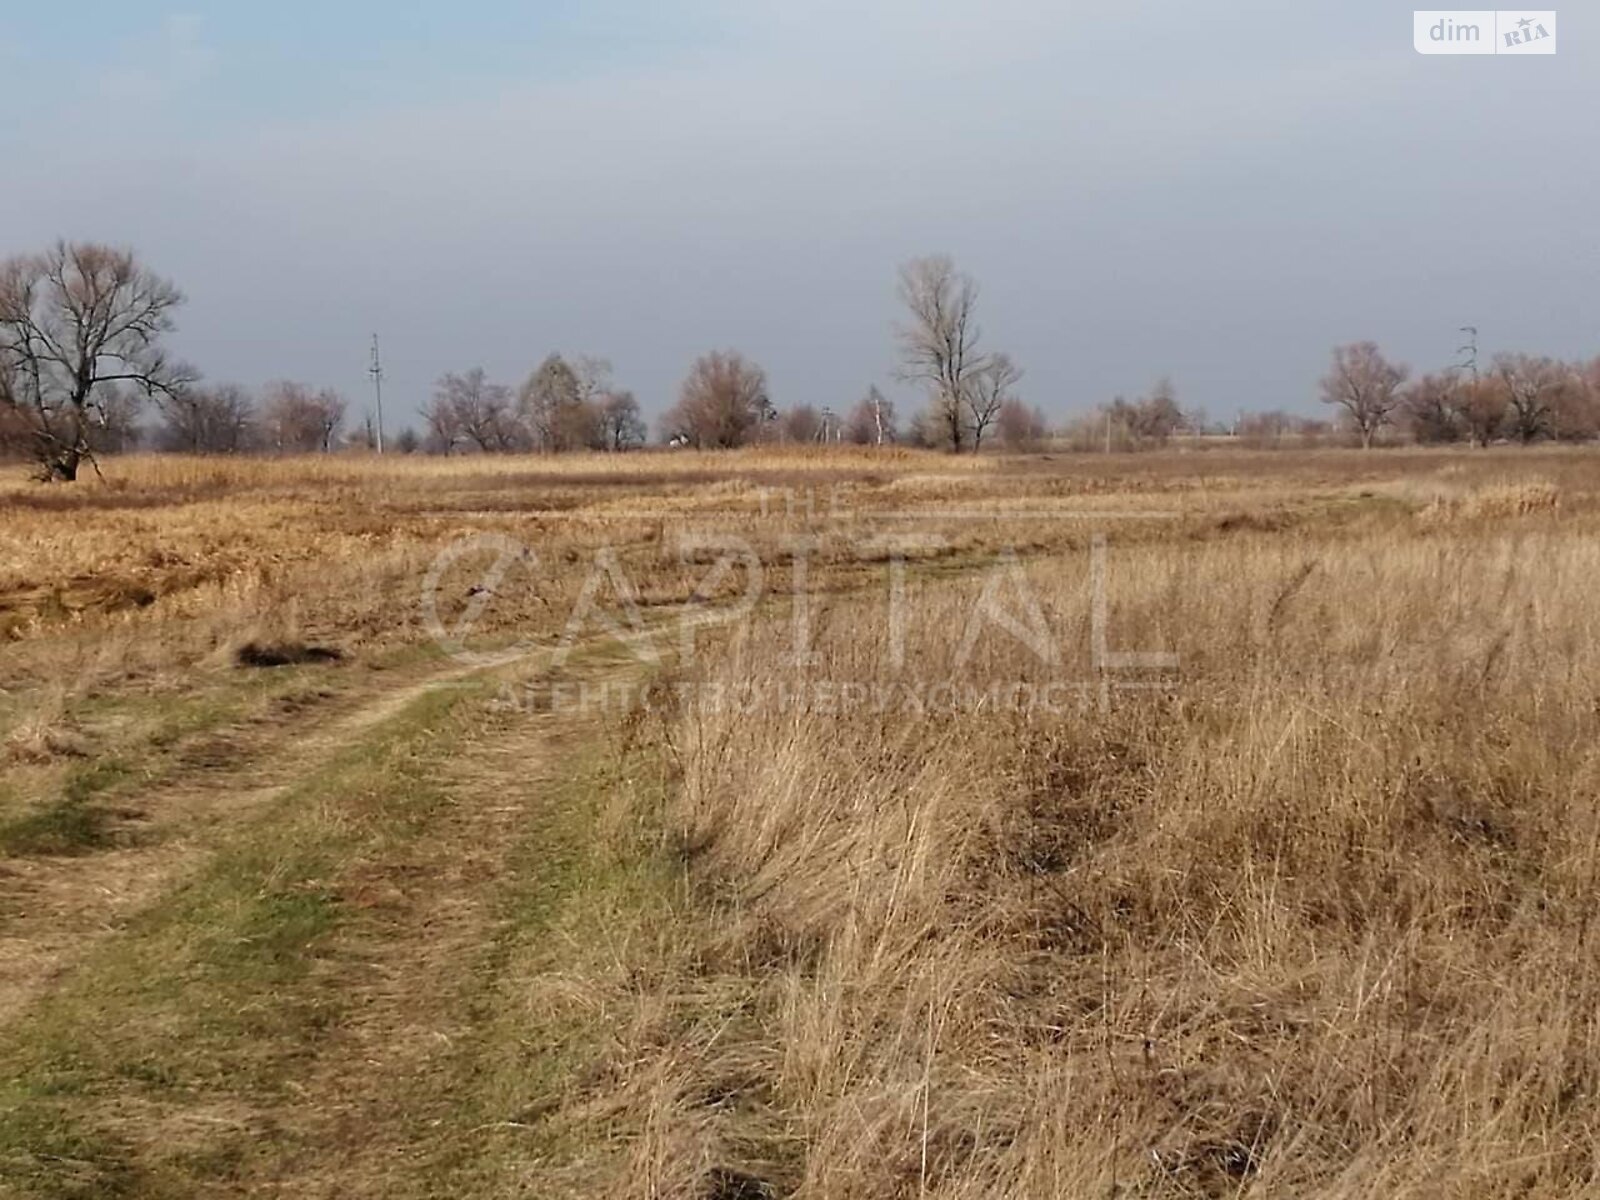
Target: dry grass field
1206, 824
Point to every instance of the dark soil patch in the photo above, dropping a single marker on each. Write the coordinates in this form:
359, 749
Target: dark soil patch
285, 654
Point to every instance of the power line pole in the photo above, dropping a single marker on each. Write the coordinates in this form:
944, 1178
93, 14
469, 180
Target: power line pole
1471, 351
376, 371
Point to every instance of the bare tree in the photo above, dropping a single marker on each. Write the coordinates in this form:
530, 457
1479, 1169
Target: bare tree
115, 426
1020, 427
1367, 386
16, 428
594, 376
939, 345
207, 420
1158, 416
723, 403
802, 424
1480, 406
468, 410
444, 426
552, 405
1575, 411
872, 421
364, 436
584, 426
1587, 386
1265, 430
622, 425
989, 389
74, 321
1430, 408
298, 420
1530, 387
1149, 421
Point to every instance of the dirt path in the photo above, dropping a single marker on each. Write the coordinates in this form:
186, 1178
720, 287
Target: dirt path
55, 910
397, 1100
322, 998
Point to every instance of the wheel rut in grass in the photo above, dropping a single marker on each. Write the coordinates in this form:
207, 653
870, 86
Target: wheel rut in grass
54, 909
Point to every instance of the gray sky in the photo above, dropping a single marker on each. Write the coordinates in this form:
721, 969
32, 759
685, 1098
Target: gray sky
1216, 193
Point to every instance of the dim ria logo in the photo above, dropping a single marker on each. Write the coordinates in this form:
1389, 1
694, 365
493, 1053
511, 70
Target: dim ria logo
1488, 32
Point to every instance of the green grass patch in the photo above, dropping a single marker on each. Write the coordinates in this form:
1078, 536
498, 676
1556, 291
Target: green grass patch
60, 827
568, 897
47, 1154
85, 781
71, 823
220, 993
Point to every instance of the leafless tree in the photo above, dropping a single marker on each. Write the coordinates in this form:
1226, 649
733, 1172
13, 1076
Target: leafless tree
1148, 421
594, 375
1588, 382
1159, 415
927, 431
554, 408
467, 410
1264, 430
16, 427
1019, 427
802, 424
939, 344
444, 428
723, 402
115, 427
74, 321
620, 421
1530, 387
299, 420
1575, 412
585, 426
207, 420
1367, 386
1480, 406
989, 389
364, 436
872, 422
1430, 409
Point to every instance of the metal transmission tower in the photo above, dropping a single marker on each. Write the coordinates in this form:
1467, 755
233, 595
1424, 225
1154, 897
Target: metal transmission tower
1470, 351
376, 371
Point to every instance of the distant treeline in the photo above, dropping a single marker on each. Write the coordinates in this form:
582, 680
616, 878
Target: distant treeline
84, 372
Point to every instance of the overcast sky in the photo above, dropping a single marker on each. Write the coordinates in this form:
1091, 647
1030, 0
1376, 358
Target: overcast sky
1216, 193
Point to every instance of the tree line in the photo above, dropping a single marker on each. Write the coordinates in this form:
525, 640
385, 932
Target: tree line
83, 366
1521, 398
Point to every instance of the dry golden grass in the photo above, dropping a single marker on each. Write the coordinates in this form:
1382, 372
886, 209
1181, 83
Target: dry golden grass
1312, 919
1307, 916
1502, 500
1313, 922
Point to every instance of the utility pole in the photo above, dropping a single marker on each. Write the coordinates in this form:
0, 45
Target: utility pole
1471, 351
376, 371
